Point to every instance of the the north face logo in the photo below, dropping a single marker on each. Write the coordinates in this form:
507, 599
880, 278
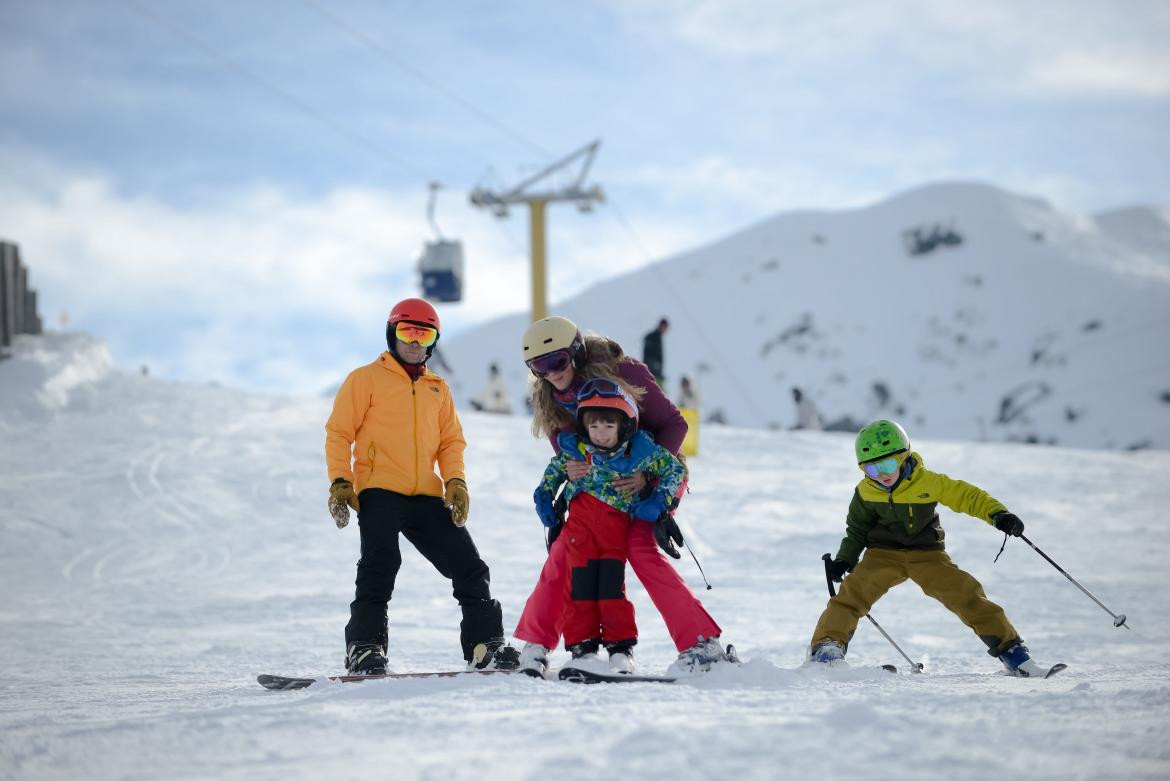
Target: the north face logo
434, 389
923, 496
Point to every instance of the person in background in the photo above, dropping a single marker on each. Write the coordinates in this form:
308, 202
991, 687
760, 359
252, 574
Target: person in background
392, 423
807, 417
688, 397
652, 350
562, 360
494, 396
893, 519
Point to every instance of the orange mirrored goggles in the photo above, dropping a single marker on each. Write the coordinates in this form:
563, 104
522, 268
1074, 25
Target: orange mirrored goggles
417, 334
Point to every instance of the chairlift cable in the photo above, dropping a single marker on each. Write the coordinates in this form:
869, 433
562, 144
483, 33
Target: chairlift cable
423, 77
306, 108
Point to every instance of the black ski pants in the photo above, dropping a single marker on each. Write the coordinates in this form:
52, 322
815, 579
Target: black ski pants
426, 523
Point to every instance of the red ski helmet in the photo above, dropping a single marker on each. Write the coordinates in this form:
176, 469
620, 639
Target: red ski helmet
414, 310
411, 310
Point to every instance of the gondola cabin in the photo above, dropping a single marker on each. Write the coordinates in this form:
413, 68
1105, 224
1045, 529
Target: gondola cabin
441, 267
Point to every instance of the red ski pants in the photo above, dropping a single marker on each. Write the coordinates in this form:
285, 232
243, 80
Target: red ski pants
597, 608
685, 617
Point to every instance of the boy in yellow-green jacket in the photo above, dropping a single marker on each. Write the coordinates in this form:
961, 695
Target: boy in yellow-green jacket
892, 518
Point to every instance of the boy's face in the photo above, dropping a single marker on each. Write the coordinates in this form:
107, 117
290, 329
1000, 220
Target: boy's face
885, 471
602, 433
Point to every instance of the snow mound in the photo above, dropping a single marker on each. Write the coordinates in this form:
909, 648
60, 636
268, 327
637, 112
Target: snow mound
44, 373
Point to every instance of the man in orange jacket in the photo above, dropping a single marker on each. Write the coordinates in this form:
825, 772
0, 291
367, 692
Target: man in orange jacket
392, 422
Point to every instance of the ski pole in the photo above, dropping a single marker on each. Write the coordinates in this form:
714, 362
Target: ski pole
1118, 620
697, 564
915, 667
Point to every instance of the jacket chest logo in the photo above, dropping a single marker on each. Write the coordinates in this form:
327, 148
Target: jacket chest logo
434, 389
923, 496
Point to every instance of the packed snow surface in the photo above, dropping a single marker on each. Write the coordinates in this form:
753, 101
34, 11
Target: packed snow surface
162, 544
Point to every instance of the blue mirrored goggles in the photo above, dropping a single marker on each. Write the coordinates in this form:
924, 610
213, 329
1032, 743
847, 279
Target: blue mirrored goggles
887, 466
599, 386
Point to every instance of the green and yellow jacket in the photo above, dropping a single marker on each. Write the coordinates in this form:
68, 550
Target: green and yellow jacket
906, 518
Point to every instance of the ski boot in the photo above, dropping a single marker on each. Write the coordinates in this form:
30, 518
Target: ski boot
1019, 662
621, 656
827, 652
702, 656
585, 656
365, 658
494, 655
534, 660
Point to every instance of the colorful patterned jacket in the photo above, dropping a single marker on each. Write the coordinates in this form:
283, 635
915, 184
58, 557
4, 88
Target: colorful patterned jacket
640, 454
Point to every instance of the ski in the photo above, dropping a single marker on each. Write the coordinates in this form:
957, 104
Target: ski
1051, 671
579, 675
285, 683
841, 664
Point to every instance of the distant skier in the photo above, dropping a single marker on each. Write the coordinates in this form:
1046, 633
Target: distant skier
652, 350
892, 518
688, 397
807, 417
494, 396
598, 613
403, 422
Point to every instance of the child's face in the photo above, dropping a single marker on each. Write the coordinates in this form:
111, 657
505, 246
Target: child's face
885, 471
602, 433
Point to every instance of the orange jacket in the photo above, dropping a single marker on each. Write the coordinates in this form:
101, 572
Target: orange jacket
394, 431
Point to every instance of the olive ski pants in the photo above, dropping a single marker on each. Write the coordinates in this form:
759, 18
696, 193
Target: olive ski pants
937, 576
426, 524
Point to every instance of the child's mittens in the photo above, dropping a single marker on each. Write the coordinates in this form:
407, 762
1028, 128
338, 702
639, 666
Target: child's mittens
1008, 523
651, 508
543, 499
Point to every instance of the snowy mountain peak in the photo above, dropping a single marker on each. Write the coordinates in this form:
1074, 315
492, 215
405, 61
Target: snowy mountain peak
962, 309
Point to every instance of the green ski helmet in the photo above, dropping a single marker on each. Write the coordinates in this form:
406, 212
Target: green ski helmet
880, 439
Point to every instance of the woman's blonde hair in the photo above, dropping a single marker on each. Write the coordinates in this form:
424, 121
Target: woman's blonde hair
602, 356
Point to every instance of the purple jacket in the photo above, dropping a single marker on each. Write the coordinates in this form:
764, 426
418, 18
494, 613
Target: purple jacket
657, 415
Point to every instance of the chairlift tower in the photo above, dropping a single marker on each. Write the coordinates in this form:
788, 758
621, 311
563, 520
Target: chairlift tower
537, 199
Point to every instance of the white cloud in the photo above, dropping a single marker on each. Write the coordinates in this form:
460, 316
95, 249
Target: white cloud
1042, 46
1134, 73
243, 288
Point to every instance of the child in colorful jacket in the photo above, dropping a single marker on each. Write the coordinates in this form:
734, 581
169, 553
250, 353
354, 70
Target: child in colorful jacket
598, 612
892, 517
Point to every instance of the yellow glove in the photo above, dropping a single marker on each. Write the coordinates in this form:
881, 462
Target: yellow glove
341, 498
457, 500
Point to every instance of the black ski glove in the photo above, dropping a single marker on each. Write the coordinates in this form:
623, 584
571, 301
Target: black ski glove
1008, 523
837, 569
552, 534
667, 535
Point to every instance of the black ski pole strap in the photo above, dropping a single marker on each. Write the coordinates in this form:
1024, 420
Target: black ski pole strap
1001, 547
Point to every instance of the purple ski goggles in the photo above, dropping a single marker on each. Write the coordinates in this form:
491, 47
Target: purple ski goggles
549, 363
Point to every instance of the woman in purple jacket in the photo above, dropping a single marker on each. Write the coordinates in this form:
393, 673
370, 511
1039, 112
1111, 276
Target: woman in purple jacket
562, 359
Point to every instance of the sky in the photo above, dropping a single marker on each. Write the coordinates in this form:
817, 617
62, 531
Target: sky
237, 192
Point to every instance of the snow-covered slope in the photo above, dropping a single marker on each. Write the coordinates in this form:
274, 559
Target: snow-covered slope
161, 544
1020, 323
